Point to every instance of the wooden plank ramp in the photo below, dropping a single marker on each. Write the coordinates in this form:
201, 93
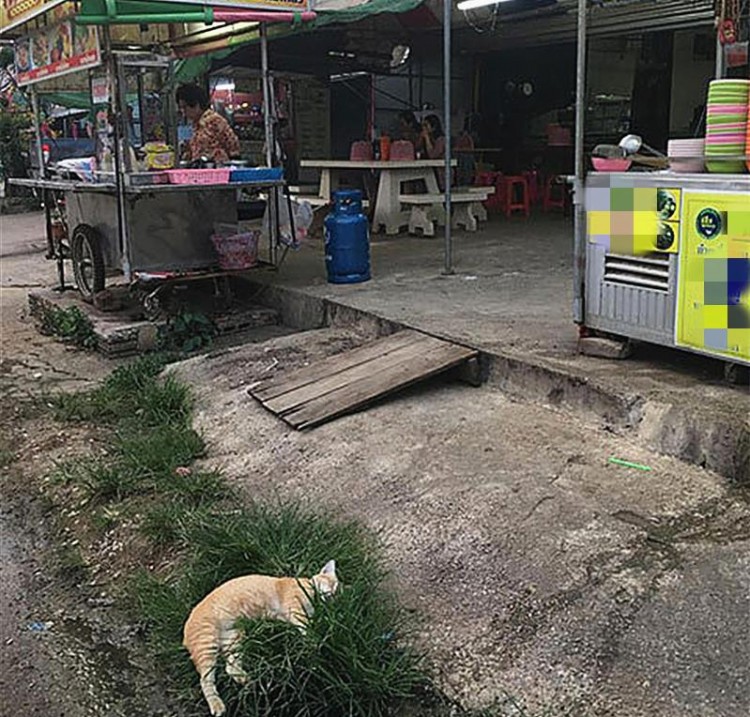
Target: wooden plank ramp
339, 384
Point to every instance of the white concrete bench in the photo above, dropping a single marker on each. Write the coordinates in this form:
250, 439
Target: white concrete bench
429, 209
483, 194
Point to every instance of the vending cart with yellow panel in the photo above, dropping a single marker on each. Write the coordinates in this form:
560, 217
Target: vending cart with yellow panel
668, 260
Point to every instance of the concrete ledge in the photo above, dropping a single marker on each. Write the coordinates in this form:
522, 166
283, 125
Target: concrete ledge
705, 436
119, 335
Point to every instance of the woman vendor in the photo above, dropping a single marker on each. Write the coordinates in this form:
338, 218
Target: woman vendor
212, 138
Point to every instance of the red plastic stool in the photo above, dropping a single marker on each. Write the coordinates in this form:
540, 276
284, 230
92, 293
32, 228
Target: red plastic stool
554, 200
516, 195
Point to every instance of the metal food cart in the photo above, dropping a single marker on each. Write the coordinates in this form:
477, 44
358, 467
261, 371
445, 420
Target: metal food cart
668, 260
124, 221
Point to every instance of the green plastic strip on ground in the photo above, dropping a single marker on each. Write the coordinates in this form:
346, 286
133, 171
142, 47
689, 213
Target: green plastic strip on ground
195, 66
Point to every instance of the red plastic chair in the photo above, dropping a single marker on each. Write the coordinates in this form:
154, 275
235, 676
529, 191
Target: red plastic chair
360, 152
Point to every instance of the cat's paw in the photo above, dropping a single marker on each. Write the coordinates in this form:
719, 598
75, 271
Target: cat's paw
241, 678
217, 707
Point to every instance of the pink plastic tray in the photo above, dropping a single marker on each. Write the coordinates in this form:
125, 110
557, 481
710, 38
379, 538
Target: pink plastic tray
199, 176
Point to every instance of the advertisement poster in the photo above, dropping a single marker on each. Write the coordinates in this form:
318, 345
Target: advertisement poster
100, 90
16, 12
56, 51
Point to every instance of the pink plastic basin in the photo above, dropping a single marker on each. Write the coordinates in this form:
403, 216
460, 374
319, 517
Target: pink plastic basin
611, 165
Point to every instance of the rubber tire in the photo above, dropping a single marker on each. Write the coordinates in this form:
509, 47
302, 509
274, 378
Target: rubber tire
86, 246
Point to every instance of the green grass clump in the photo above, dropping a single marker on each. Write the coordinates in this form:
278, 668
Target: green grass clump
133, 396
353, 659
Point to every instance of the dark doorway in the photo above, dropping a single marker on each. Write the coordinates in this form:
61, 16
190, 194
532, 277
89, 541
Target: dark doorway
652, 89
350, 103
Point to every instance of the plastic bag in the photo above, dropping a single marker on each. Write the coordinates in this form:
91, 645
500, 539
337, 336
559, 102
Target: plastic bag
301, 212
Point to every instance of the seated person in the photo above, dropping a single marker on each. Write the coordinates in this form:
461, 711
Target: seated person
212, 138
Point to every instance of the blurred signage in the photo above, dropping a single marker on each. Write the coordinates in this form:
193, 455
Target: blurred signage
56, 51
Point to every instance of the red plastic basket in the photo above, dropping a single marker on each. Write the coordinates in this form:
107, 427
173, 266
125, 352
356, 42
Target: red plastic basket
238, 251
199, 176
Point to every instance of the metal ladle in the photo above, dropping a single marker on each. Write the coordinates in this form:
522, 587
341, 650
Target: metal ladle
632, 144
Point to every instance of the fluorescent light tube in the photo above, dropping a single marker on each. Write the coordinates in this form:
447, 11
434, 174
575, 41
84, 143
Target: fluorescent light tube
473, 4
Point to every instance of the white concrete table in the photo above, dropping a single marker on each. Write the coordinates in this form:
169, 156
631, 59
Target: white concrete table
393, 174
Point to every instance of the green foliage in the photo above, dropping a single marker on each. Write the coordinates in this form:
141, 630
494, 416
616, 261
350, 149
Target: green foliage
13, 161
71, 325
187, 332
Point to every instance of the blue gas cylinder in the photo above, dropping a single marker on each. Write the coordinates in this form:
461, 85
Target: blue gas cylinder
347, 233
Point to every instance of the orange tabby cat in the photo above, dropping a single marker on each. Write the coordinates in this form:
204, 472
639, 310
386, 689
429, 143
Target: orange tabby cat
210, 630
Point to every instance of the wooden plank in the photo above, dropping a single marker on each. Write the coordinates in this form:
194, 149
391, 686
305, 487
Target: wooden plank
352, 396
377, 364
283, 383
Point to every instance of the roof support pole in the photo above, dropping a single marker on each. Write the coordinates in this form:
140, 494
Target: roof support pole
447, 14
268, 122
579, 226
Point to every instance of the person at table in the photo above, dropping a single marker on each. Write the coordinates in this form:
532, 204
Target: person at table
409, 128
433, 143
212, 136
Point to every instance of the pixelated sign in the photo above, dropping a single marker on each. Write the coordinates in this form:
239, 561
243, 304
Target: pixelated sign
714, 275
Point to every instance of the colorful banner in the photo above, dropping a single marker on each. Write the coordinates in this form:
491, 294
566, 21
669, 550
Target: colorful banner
56, 51
16, 12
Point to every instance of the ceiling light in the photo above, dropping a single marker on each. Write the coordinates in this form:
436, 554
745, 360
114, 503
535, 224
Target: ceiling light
474, 4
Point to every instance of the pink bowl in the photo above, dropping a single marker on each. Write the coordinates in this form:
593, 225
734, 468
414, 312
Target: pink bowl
611, 165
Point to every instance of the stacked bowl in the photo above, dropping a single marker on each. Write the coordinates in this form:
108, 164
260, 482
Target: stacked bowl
726, 125
686, 155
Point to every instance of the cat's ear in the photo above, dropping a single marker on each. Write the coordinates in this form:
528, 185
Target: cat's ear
329, 568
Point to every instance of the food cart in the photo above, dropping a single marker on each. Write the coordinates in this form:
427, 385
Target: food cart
119, 219
663, 255
668, 260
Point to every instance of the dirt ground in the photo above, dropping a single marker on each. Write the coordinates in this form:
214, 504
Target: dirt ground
535, 565
540, 568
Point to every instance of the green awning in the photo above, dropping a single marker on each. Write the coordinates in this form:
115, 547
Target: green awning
195, 66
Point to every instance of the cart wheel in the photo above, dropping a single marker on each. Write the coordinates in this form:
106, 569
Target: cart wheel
88, 261
152, 307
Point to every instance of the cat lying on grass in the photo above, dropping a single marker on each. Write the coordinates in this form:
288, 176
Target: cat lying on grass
211, 630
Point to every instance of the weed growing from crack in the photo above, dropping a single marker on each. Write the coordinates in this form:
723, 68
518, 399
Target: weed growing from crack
70, 325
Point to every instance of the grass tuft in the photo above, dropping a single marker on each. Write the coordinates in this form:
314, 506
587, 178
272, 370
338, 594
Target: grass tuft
352, 661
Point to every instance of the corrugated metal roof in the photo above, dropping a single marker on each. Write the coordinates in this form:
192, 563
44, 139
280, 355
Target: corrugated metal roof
558, 23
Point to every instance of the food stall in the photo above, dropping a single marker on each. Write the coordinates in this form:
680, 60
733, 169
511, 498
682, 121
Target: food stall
663, 251
668, 251
147, 219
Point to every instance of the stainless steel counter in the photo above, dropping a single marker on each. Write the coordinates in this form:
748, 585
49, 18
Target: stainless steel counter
670, 180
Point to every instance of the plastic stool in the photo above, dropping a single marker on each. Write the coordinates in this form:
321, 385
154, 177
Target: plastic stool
554, 200
513, 199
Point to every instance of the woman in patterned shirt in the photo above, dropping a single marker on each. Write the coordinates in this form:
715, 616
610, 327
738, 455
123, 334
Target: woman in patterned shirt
212, 136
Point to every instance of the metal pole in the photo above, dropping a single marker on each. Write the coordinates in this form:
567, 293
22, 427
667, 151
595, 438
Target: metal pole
447, 14
270, 142
38, 133
579, 225
719, 72
116, 95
